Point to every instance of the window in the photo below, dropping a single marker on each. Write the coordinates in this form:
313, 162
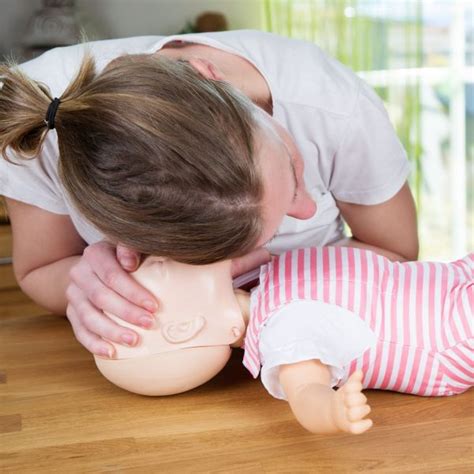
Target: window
418, 56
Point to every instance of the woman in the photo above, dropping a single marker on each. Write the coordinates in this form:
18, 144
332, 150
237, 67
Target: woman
342, 155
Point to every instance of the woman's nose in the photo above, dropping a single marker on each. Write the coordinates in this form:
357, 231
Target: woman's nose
304, 207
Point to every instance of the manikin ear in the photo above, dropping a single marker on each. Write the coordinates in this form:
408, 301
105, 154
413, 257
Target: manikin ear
207, 69
177, 332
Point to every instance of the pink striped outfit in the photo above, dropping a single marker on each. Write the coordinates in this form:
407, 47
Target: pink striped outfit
409, 326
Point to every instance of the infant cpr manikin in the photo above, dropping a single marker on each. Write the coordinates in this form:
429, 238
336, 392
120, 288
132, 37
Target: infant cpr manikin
301, 338
198, 319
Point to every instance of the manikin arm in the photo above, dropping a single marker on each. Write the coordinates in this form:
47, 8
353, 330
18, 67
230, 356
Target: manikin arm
318, 407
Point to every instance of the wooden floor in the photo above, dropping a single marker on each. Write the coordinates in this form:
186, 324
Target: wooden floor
57, 414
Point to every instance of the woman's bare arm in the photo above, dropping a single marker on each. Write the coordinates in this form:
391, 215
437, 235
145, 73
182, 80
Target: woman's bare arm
389, 228
45, 247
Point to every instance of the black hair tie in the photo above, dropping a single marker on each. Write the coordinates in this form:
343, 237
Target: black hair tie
51, 113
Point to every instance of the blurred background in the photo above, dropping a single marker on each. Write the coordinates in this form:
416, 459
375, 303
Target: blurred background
417, 54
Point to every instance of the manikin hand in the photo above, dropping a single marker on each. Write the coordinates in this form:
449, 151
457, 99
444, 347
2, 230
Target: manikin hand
349, 406
99, 282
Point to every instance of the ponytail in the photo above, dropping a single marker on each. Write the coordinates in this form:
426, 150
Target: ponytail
24, 104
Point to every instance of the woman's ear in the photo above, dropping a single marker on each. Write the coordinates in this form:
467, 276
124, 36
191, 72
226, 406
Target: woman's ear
177, 332
207, 69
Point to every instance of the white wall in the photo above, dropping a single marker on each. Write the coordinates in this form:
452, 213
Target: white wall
14, 15
120, 18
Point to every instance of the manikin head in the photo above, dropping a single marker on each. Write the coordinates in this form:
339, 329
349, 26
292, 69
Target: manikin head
199, 318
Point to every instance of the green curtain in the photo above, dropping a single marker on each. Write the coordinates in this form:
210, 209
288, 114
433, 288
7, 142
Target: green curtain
365, 42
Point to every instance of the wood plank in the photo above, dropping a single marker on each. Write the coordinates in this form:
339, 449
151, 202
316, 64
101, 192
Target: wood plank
7, 277
3, 211
10, 423
5, 241
15, 304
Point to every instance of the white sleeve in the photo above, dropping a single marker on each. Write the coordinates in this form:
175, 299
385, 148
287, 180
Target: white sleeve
306, 330
370, 165
27, 181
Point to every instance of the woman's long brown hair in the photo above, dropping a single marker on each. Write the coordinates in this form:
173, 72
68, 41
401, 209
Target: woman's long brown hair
151, 153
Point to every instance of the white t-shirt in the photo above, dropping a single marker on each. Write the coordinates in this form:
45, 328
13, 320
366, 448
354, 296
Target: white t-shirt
339, 124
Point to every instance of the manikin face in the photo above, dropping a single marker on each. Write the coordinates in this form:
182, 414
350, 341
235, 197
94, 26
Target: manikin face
198, 307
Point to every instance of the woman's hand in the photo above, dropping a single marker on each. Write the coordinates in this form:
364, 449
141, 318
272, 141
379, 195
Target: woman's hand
249, 261
350, 406
99, 282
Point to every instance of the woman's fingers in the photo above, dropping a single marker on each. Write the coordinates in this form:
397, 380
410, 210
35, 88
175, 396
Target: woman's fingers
250, 261
89, 340
103, 262
96, 322
105, 299
127, 257
98, 284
